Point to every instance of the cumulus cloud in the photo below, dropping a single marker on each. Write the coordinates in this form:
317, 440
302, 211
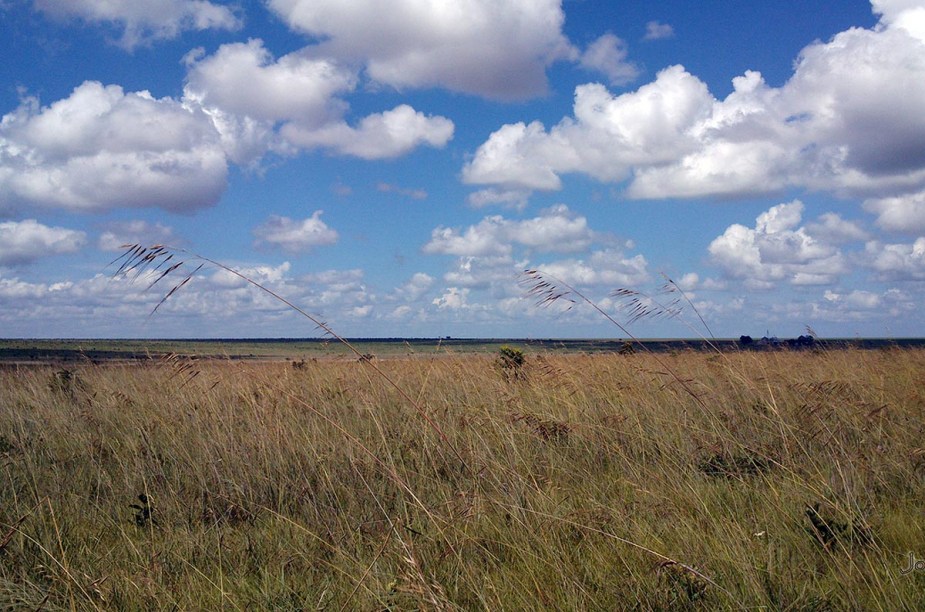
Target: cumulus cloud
865, 300
120, 233
849, 121
214, 304
902, 214
497, 272
908, 15
777, 249
248, 93
505, 198
144, 22
23, 242
295, 235
556, 229
608, 136
378, 136
453, 298
831, 228
492, 255
245, 79
103, 148
494, 48
607, 55
264, 274
897, 262
416, 287
888, 306
608, 267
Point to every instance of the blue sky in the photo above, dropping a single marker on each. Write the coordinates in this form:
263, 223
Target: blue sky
393, 170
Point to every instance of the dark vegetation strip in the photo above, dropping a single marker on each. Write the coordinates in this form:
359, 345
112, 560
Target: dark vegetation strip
99, 351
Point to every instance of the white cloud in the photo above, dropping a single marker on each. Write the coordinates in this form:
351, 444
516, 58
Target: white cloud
144, 22
378, 136
777, 250
120, 233
15, 289
607, 137
102, 148
903, 214
848, 121
897, 261
609, 267
515, 199
831, 228
908, 15
216, 303
493, 272
416, 287
859, 305
453, 298
244, 79
556, 229
248, 94
400, 313
295, 235
23, 242
493, 48
477, 240
857, 298
261, 273
657, 31
688, 282
607, 55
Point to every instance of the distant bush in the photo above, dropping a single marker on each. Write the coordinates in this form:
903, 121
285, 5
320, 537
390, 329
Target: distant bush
511, 360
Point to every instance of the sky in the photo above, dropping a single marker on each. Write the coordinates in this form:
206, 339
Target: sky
394, 167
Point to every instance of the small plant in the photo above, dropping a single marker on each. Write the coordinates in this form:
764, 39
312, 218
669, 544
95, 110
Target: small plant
722, 465
547, 429
626, 348
65, 382
511, 360
829, 532
682, 580
143, 512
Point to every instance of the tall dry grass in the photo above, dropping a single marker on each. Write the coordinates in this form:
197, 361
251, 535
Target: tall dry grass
791, 480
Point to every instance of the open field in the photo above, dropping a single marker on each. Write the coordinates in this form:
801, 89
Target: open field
684, 480
100, 351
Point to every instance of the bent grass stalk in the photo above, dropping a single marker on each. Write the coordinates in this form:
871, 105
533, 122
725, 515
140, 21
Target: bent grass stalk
162, 261
547, 289
138, 259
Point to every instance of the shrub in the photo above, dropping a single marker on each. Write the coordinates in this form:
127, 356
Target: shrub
511, 360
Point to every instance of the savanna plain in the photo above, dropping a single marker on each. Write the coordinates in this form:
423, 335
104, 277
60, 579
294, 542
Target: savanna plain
509, 480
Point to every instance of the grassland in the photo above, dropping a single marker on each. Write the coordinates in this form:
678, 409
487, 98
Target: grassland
759, 480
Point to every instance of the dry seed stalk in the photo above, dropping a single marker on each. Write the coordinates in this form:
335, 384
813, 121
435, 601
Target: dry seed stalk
547, 289
138, 259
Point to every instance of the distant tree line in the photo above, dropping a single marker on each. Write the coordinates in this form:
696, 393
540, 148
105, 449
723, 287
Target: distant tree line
773, 341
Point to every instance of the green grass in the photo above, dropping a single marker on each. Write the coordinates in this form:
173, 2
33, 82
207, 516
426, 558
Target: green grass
585, 482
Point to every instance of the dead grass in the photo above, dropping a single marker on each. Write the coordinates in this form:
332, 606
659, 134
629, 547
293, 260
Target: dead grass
792, 480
